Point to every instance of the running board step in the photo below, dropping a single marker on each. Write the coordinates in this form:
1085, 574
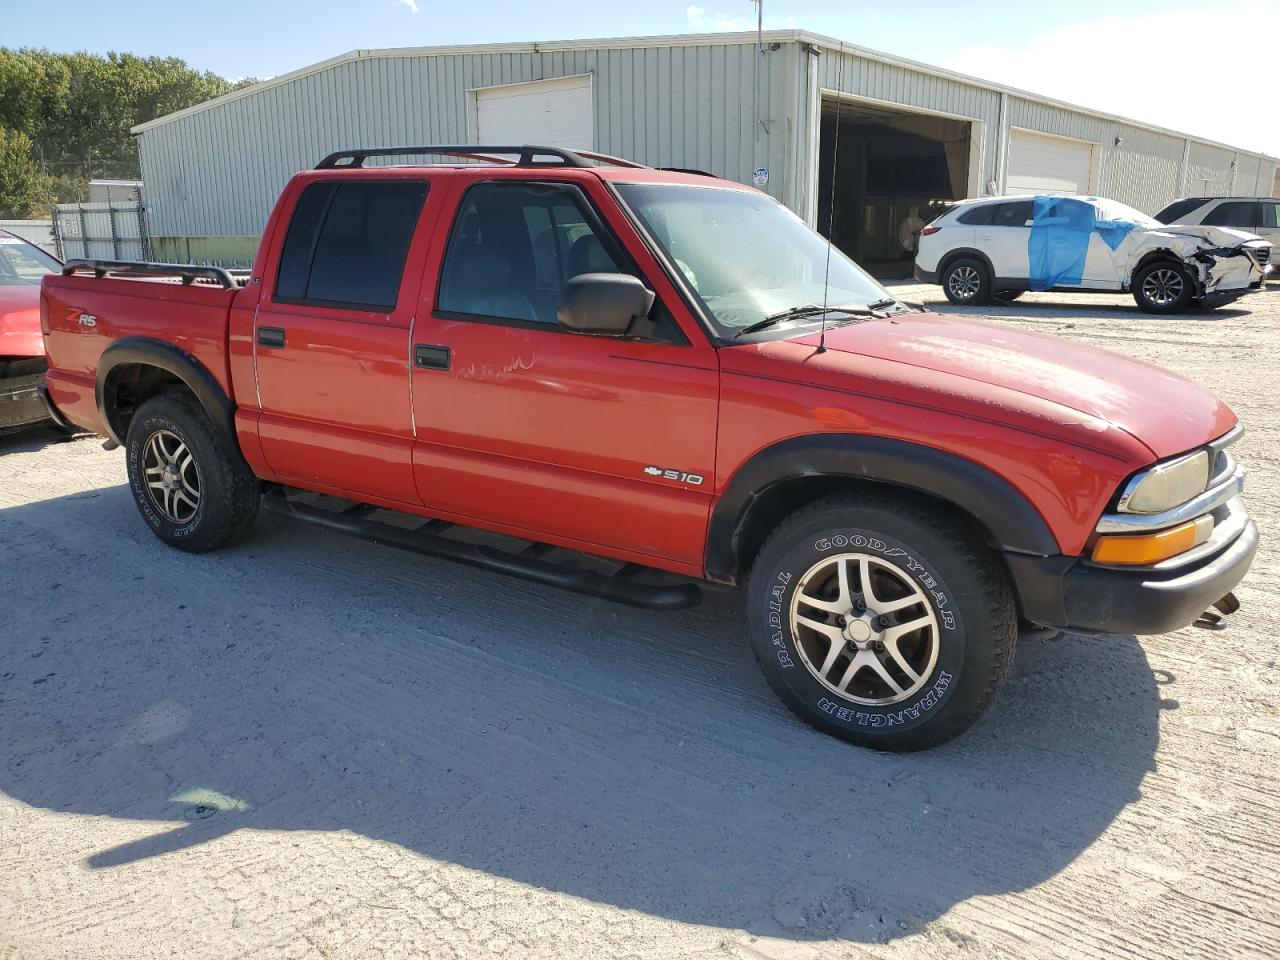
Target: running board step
620, 586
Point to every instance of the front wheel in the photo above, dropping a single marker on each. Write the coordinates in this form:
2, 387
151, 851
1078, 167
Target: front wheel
189, 482
881, 621
1162, 287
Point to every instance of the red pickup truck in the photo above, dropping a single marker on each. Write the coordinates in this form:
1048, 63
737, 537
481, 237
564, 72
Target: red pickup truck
586, 358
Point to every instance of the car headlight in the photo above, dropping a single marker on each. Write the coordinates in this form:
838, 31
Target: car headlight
1167, 485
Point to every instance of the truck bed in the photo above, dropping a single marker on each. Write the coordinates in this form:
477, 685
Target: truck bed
92, 306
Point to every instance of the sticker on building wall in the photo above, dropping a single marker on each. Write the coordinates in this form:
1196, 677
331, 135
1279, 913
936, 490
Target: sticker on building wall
760, 176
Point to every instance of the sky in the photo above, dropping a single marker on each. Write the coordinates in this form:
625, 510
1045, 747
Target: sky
1196, 67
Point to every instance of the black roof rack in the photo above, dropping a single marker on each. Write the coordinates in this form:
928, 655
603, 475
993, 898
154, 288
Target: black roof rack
185, 272
525, 156
697, 173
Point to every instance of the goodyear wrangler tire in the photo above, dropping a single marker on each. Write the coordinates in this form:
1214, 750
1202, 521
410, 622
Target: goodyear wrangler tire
190, 484
881, 621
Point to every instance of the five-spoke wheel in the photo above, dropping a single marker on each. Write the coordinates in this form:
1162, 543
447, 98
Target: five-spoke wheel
172, 477
882, 620
188, 479
866, 630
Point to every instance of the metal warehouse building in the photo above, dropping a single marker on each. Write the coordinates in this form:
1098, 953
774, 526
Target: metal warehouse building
743, 106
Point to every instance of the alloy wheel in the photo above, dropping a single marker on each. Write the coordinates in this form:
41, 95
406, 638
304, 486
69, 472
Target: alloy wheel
1163, 286
964, 282
865, 629
171, 475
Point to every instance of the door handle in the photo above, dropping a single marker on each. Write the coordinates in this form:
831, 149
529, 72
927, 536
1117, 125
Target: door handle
984, 236
271, 337
430, 357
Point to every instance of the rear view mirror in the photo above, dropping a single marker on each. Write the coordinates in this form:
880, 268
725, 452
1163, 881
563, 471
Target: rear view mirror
603, 303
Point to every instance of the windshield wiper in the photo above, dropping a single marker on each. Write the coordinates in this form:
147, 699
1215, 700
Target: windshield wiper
805, 310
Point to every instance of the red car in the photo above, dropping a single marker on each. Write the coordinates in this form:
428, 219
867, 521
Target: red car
581, 355
22, 266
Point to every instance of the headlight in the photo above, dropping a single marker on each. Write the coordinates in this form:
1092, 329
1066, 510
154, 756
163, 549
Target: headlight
1167, 485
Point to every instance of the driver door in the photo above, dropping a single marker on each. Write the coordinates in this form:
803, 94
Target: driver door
601, 443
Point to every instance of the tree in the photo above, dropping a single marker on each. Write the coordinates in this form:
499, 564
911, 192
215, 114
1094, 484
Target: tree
22, 186
77, 108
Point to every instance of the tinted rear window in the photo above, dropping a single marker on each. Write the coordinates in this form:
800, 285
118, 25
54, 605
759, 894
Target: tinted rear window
978, 216
347, 243
1015, 214
1179, 209
1233, 213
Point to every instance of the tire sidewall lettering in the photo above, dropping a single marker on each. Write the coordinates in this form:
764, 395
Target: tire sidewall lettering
864, 718
136, 481
901, 558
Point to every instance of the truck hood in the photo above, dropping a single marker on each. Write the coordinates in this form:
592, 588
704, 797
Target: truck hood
20, 321
1165, 412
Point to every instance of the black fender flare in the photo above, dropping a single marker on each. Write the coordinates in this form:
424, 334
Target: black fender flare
993, 502
172, 359
958, 253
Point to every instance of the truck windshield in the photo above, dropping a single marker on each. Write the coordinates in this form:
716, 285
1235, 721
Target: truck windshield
23, 263
745, 255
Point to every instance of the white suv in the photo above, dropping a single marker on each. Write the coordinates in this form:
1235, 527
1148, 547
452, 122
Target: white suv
999, 246
1260, 215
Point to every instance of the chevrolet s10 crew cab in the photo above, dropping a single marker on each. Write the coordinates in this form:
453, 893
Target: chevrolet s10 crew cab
586, 358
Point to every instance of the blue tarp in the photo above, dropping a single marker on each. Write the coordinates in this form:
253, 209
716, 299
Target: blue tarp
1059, 240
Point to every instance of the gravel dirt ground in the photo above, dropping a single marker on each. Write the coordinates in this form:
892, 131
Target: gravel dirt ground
309, 746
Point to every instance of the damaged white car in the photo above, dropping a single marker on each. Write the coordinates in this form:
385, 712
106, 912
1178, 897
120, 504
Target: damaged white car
997, 247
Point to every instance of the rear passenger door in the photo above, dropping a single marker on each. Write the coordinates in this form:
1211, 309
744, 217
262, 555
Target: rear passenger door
1004, 240
331, 337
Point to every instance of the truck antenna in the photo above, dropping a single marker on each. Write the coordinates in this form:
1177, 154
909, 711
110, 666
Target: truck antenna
831, 205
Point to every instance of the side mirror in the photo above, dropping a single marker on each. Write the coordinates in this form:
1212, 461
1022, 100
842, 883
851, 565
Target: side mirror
603, 303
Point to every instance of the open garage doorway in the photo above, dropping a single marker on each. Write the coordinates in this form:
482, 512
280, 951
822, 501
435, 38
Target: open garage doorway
897, 171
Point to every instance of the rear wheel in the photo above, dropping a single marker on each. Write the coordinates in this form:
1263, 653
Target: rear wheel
881, 622
967, 281
1162, 287
190, 484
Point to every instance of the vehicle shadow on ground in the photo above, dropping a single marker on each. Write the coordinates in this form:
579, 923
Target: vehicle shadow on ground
17, 439
302, 681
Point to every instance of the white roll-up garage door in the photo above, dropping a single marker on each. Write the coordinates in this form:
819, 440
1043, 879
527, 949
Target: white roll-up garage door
549, 113
1040, 164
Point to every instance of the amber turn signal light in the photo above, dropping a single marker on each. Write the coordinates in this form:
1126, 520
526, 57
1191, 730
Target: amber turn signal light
1148, 548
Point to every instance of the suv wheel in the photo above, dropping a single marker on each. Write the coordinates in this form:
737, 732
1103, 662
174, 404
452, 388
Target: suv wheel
1161, 287
191, 486
967, 281
881, 622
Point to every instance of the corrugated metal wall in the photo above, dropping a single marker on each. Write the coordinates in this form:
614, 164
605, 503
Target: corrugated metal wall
217, 172
1145, 169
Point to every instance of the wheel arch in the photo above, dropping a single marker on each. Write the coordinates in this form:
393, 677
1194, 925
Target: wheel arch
134, 369
1165, 255
785, 476
959, 253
